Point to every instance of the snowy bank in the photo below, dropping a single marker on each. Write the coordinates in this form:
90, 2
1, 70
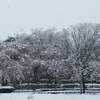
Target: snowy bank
30, 96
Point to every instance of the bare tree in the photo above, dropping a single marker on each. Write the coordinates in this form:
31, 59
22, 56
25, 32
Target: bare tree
82, 41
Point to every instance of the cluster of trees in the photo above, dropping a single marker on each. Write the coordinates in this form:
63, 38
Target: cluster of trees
73, 53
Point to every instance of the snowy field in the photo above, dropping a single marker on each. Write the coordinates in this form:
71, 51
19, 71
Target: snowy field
30, 96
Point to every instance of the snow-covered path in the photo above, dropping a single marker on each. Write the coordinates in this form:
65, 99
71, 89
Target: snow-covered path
30, 96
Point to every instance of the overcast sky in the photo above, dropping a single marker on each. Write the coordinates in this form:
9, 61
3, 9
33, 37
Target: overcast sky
28, 14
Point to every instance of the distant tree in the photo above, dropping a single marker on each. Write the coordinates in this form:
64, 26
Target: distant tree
71, 53
9, 63
10, 39
81, 43
95, 75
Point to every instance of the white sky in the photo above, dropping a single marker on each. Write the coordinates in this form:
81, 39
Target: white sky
28, 14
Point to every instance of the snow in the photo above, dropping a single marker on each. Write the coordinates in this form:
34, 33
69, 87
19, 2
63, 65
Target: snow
6, 87
31, 96
93, 84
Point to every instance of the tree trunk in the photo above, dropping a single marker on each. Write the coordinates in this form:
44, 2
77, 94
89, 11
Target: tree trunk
83, 83
81, 90
48, 76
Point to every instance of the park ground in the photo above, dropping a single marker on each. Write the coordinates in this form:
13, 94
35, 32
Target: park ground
32, 96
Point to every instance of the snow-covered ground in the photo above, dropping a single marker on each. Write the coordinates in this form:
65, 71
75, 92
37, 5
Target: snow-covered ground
30, 96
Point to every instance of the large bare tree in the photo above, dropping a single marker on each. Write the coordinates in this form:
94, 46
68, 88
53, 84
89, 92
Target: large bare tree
81, 42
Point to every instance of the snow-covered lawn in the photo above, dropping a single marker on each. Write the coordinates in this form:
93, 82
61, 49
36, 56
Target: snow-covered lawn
30, 96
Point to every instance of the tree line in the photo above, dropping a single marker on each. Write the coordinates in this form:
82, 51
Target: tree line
72, 53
